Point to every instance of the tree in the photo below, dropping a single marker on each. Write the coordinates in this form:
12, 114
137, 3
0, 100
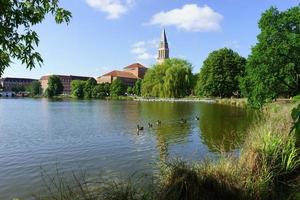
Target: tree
18, 88
88, 87
99, 91
129, 91
107, 89
17, 36
55, 86
77, 88
117, 88
34, 88
172, 78
220, 74
137, 87
273, 68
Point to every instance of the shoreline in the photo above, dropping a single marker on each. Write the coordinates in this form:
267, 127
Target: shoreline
175, 100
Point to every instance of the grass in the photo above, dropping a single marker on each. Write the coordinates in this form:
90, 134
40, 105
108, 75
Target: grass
239, 102
268, 167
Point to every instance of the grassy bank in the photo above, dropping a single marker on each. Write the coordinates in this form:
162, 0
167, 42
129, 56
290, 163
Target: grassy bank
268, 167
240, 102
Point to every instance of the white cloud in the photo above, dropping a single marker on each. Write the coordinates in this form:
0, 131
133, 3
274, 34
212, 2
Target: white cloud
190, 17
145, 50
113, 8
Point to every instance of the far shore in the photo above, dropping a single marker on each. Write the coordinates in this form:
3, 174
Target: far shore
205, 100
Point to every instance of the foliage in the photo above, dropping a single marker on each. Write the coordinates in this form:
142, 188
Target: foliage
137, 87
77, 88
55, 86
101, 91
18, 88
88, 87
129, 91
296, 121
219, 76
18, 39
273, 68
34, 88
296, 98
117, 88
173, 78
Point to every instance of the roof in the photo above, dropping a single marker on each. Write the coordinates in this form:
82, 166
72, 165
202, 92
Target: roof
121, 74
163, 37
66, 76
17, 79
135, 65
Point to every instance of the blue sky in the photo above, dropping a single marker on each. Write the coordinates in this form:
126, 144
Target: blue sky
110, 34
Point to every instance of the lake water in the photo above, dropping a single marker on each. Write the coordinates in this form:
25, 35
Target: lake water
101, 137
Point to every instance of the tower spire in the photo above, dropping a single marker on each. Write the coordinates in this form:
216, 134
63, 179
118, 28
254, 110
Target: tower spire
163, 51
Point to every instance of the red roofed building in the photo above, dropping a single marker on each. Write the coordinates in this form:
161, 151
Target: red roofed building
128, 76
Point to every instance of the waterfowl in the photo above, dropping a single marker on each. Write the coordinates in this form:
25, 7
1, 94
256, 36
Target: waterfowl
139, 128
197, 118
150, 125
183, 121
158, 122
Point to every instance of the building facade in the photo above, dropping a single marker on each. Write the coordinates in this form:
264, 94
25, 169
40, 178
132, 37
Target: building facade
65, 80
163, 50
8, 84
129, 75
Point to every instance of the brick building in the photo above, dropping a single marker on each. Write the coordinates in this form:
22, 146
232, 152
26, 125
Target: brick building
65, 80
7, 84
129, 75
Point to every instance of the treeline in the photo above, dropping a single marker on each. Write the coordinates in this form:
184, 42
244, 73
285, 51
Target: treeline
271, 71
90, 89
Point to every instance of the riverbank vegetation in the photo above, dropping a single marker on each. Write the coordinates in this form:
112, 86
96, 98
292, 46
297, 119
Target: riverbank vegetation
268, 167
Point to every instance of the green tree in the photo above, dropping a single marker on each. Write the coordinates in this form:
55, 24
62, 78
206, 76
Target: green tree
273, 68
100, 91
18, 39
107, 89
173, 78
137, 87
129, 91
18, 88
55, 86
88, 87
34, 88
117, 88
77, 88
220, 74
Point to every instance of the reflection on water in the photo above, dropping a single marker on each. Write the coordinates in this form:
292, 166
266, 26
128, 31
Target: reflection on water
101, 136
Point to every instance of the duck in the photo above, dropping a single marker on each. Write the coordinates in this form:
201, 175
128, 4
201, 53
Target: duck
150, 125
158, 122
139, 128
183, 121
197, 118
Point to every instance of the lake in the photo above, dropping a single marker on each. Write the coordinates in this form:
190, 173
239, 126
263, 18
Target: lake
101, 137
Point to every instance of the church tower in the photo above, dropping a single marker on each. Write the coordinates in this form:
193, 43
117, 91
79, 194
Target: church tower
163, 51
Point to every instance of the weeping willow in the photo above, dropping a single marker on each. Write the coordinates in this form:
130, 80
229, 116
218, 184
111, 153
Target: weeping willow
171, 79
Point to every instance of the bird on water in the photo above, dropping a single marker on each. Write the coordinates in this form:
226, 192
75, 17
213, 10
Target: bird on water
139, 128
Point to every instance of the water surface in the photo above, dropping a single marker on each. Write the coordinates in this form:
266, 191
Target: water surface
101, 137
